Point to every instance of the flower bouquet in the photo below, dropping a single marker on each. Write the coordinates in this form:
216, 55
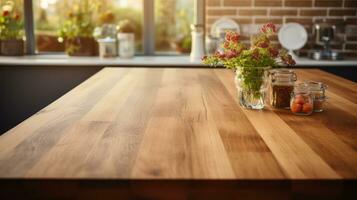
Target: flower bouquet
251, 64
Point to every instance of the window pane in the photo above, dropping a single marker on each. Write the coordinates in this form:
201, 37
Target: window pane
11, 20
172, 26
50, 15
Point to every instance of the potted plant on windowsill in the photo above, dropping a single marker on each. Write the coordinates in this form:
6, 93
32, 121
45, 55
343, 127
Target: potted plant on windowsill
11, 31
251, 64
77, 31
126, 39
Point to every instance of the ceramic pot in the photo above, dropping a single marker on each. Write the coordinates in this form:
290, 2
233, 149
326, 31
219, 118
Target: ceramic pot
81, 46
12, 47
126, 47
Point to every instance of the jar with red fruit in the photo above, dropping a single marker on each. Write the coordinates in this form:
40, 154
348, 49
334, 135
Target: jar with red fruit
302, 100
281, 86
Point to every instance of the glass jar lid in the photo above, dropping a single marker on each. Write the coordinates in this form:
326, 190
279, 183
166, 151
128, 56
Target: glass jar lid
318, 89
302, 88
317, 86
283, 75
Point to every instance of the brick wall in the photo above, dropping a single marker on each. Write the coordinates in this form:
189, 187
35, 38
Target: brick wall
249, 14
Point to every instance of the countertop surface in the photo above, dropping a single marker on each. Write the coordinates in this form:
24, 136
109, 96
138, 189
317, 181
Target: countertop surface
161, 61
178, 123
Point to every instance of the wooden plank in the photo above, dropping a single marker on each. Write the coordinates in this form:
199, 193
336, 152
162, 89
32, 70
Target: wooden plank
177, 123
338, 106
326, 143
66, 158
109, 106
25, 150
296, 158
341, 87
113, 156
249, 155
77, 143
189, 145
17, 134
342, 103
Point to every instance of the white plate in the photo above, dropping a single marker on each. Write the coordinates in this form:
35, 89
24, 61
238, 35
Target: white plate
223, 24
292, 36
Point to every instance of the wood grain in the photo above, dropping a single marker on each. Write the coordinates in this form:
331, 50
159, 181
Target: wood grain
180, 123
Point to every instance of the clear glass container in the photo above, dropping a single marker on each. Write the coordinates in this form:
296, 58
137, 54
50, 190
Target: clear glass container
302, 100
318, 90
126, 47
107, 47
281, 86
252, 87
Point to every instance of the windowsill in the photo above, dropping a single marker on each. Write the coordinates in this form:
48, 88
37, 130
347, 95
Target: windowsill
160, 61
59, 60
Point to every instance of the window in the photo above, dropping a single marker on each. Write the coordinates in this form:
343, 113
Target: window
11, 24
168, 21
172, 25
51, 14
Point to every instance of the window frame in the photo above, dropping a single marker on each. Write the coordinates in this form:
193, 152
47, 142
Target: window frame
29, 27
148, 25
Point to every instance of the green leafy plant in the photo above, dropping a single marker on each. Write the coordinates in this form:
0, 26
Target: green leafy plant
11, 24
251, 62
79, 24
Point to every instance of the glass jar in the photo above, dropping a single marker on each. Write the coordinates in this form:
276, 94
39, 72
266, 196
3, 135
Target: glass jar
252, 84
281, 86
107, 47
126, 47
302, 100
318, 90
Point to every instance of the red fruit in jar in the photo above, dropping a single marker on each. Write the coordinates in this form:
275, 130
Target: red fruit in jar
307, 108
296, 108
299, 99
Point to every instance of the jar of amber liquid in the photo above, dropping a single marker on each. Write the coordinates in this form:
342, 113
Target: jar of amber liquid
281, 86
302, 100
318, 91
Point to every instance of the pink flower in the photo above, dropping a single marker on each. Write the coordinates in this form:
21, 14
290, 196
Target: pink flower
232, 37
230, 54
287, 59
268, 28
264, 44
273, 52
228, 36
290, 60
226, 45
255, 54
219, 55
261, 41
235, 38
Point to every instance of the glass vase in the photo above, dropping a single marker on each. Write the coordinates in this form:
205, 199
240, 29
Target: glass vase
251, 83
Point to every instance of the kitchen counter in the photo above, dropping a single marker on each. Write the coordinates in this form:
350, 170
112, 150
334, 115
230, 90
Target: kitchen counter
64, 60
167, 124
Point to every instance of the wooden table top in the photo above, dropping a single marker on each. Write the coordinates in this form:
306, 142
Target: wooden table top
180, 123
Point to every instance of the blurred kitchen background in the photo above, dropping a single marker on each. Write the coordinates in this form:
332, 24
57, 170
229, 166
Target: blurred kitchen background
174, 17
340, 14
